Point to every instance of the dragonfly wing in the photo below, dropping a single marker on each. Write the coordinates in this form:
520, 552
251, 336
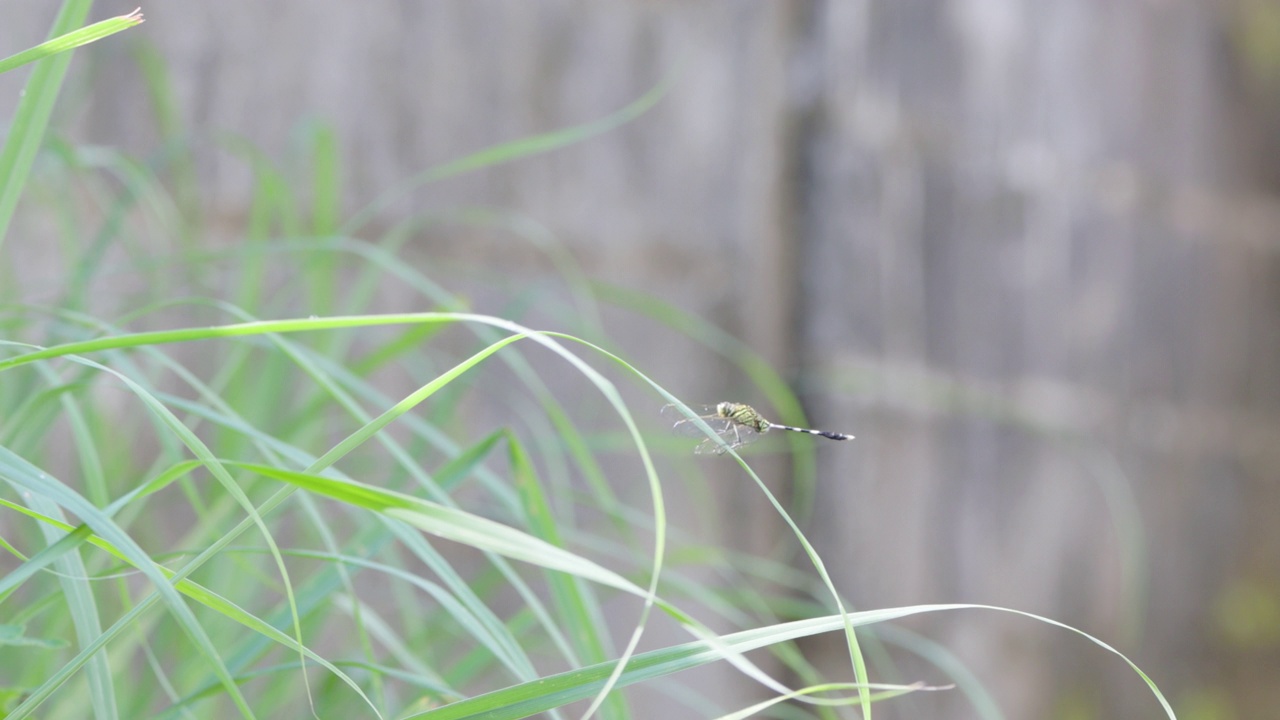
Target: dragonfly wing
718, 425
712, 446
735, 436
684, 425
674, 413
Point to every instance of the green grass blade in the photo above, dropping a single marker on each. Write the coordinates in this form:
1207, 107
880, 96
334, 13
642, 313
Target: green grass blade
451, 524
514, 150
83, 609
577, 605
15, 636
527, 699
326, 171
72, 40
32, 115
32, 565
453, 472
179, 158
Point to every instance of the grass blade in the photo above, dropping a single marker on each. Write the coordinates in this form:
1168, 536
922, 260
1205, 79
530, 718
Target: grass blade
72, 40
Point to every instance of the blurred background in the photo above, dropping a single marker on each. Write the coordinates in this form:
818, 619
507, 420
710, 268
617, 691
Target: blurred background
1025, 251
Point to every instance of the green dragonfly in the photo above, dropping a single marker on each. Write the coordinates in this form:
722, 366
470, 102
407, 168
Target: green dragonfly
735, 424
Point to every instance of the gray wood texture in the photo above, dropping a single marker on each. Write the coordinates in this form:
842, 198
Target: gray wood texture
1025, 251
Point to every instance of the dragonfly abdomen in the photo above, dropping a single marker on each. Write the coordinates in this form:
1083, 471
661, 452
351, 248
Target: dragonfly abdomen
823, 433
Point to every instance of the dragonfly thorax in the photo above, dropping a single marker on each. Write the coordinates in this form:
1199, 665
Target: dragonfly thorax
742, 415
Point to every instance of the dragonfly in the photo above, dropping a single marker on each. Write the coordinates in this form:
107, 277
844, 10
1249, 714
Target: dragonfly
736, 425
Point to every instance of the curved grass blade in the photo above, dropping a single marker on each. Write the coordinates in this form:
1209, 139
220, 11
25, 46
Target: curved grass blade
577, 604
506, 152
83, 609
451, 524
527, 699
886, 692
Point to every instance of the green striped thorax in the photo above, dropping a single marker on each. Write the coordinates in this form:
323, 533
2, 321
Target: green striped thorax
743, 415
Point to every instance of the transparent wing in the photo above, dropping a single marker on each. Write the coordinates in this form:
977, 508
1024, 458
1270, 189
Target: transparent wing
734, 436
709, 447
682, 424
674, 413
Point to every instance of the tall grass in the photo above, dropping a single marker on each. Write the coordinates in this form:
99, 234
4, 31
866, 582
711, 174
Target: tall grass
159, 559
